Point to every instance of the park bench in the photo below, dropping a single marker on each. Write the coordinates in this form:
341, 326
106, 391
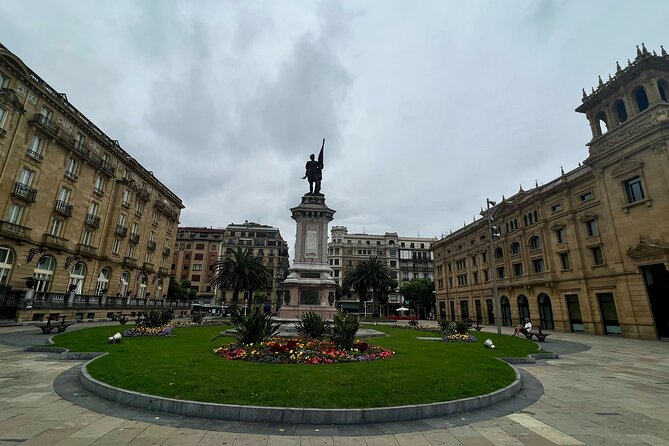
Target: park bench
477, 327
123, 318
48, 327
541, 336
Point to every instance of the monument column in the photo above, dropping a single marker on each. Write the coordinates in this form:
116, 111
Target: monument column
309, 283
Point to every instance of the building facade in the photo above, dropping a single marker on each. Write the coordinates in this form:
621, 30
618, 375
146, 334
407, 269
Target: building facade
79, 214
589, 251
267, 243
197, 249
406, 258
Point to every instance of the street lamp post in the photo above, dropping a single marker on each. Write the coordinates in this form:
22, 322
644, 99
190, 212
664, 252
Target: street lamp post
493, 234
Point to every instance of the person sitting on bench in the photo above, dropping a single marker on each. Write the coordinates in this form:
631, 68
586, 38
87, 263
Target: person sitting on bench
524, 329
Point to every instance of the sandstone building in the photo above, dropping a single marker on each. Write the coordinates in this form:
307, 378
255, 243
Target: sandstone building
406, 258
78, 213
264, 241
587, 252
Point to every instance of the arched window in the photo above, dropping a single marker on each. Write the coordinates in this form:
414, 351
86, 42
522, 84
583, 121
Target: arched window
141, 286
602, 123
535, 243
662, 89
123, 288
77, 276
621, 111
641, 98
499, 253
545, 312
515, 248
102, 284
6, 262
523, 308
43, 273
506, 311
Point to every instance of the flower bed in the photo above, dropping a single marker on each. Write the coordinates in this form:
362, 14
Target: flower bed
140, 330
457, 337
302, 351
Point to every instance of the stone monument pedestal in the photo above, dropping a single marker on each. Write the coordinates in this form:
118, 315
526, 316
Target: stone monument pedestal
309, 285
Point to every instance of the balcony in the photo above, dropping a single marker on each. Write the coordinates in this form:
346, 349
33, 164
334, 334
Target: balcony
99, 192
63, 208
24, 192
80, 146
54, 241
121, 230
45, 123
86, 249
71, 175
15, 231
34, 155
125, 204
102, 163
92, 220
162, 271
151, 245
147, 266
129, 261
134, 238
166, 252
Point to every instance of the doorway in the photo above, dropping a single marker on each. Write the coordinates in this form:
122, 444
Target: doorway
574, 310
656, 278
607, 306
545, 312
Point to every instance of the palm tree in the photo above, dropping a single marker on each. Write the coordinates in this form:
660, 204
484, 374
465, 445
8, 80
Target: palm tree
241, 272
371, 274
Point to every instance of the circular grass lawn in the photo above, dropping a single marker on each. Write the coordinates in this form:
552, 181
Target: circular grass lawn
183, 366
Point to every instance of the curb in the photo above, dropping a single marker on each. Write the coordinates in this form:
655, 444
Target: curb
294, 415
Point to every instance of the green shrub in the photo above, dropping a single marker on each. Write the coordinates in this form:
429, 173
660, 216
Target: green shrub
461, 327
157, 317
254, 327
196, 318
313, 325
344, 329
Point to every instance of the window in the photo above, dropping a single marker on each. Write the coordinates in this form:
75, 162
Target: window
500, 272
125, 279
591, 228
6, 262
201, 256
126, 198
130, 253
197, 267
557, 207
597, 256
4, 81
43, 273
77, 276
72, 167
121, 220
103, 280
560, 235
499, 253
99, 186
517, 269
56, 227
462, 279
3, 113
116, 246
535, 243
139, 208
485, 275
200, 246
64, 195
86, 237
475, 276
586, 196
564, 261
538, 265
634, 190
515, 248
26, 177
35, 147
473, 260
195, 278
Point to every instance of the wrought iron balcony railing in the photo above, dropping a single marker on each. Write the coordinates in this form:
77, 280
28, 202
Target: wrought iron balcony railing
134, 238
63, 208
151, 245
93, 220
24, 192
121, 230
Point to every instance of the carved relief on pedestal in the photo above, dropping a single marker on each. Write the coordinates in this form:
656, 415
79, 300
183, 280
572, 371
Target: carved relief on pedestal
311, 242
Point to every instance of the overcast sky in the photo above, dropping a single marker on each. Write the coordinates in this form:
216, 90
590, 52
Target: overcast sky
428, 107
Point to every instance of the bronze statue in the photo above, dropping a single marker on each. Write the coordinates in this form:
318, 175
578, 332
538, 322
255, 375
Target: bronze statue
314, 171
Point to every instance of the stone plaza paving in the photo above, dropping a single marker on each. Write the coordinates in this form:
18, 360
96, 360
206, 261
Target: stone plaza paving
602, 391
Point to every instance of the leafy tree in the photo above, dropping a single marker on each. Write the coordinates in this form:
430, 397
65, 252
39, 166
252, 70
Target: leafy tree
419, 294
181, 290
371, 274
241, 272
